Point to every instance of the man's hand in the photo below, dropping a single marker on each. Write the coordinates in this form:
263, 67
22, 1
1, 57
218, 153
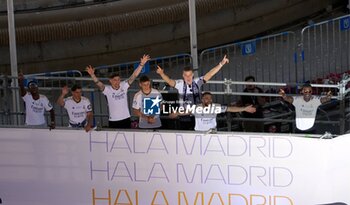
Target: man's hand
52, 125
65, 90
90, 70
160, 70
329, 94
224, 61
20, 77
173, 115
250, 109
282, 93
87, 128
151, 119
144, 59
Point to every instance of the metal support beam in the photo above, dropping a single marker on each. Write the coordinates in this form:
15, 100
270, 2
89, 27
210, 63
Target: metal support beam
13, 57
193, 34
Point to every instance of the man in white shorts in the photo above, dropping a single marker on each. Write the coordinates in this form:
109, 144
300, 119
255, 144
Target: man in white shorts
305, 107
36, 105
147, 105
78, 108
116, 94
189, 89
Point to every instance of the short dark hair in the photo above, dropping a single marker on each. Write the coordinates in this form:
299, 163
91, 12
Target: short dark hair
75, 87
249, 78
188, 68
206, 93
144, 78
112, 75
306, 85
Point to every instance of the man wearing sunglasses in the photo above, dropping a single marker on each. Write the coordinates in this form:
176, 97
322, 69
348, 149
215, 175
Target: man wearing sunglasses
305, 107
35, 105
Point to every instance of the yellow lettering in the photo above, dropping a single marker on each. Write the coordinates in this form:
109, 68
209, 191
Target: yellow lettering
164, 198
127, 195
256, 195
94, 198
239, 195
185, 198
212, 196
284, 197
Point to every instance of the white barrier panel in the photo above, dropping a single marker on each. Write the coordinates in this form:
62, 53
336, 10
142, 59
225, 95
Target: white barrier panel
41, 167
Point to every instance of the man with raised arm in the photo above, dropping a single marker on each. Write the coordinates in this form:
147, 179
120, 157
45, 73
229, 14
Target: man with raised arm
206, 112
35, 104
78, 108
116, 94
189, 89
305, 107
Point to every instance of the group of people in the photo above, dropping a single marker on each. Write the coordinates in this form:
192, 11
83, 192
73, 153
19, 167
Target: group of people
198, 113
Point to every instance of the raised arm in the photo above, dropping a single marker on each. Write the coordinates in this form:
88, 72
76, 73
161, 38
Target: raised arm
216, 69
22, 90
166, 78
285, 97
249, 109
138, 70
64, 92
327, 98
91, 71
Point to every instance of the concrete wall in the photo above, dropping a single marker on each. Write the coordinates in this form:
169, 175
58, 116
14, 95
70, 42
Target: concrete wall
221, 27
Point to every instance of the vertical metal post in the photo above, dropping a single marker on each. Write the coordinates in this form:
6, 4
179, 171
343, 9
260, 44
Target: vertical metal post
13, 57
193, 34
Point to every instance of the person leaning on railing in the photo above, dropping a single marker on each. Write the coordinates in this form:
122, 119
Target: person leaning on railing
116, 94
35, 105
78, 108
305, 107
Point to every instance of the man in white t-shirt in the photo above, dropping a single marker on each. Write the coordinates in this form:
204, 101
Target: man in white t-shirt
206, 112
36, 105
305, 107
116, 94
78, 108
147, 105
189, 89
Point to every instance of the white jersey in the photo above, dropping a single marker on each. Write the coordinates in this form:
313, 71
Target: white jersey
207, 121
35, 109
77, 111
117, 101
143, 102
305, 112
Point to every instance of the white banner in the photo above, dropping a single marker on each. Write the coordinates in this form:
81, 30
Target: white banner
41, 167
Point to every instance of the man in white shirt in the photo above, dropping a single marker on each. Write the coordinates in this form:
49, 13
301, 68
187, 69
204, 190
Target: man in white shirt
305, 107
116, 94
189, 89
206, 112
147, 105
78, 108
36, 105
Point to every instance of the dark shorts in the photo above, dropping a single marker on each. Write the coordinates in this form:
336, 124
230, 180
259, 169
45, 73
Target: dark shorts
120, 124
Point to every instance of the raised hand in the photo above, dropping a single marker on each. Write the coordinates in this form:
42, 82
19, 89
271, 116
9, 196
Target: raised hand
160, 70
90, 70
144, 59
224, 60
281, 92
65, 90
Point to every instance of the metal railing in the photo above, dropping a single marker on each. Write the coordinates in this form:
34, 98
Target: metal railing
336, 116
325, 48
